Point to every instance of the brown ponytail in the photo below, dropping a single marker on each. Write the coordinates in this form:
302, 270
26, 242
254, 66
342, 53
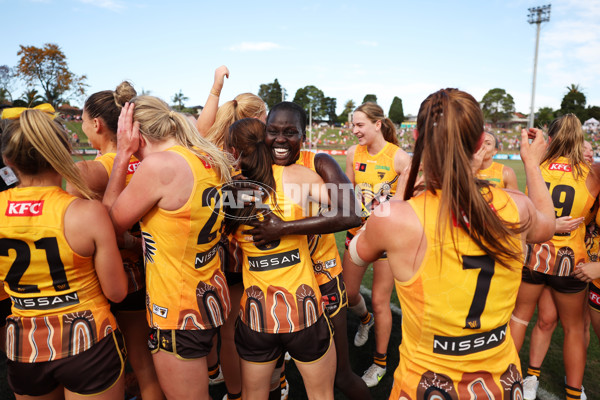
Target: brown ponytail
450, 125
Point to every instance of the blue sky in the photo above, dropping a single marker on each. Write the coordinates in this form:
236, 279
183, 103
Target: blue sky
346, 48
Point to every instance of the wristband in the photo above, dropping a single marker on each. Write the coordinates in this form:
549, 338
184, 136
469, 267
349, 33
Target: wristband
215, 92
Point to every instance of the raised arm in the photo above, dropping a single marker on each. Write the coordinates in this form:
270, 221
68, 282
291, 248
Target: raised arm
209, 112
540, 209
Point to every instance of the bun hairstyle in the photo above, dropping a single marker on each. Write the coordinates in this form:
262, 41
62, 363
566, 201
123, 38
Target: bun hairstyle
159, 122
245, 105
567, 141
107, 104
34, 143
375, 113
450, 125
247, 137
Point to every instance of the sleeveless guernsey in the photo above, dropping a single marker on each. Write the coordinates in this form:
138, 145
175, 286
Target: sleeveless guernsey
323, 249
58, 308
493, 174
281, 293
455, 338
374, 175
132, 260
570, 196
185, 286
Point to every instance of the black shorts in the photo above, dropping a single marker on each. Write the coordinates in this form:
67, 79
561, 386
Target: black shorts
184, 344
594, 297
5, 306
307, 345
135, 301
92, 372
334, 295
233, 278
562, 284
349, 238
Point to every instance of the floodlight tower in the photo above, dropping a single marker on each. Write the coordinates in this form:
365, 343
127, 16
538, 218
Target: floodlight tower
537, 15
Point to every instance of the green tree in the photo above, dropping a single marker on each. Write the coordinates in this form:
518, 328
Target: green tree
32, 97
593, 112
348, 108
311, 97
370, 98
47, 66
271, 93
497, 105
396, 113
574, 102
6, 84
179, 99
545, 115
329, 105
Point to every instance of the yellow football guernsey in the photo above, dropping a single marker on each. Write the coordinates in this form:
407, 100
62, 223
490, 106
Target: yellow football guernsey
456, 309
185, 286
493, 174
281, 293
58, 308
570, 196
323, 249
132, 260
375, 175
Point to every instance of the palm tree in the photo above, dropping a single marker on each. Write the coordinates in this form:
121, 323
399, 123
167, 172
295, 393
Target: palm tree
32, 97
179, 98
573, 88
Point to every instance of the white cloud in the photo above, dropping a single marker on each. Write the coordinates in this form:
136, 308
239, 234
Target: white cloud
370, 43
570, 45
111, 5
255, 46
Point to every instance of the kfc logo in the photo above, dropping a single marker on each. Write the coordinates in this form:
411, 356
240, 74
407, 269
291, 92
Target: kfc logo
560, 167
24, 208
132, 167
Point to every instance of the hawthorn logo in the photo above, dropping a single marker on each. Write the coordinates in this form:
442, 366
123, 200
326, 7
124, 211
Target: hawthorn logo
31, 208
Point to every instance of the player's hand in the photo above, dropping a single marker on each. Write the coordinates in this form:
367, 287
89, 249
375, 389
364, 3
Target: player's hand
220, 74
587, 272
267, 230
533, 153
128, 131
567, 224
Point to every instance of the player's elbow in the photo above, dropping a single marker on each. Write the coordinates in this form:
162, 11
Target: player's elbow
117, 290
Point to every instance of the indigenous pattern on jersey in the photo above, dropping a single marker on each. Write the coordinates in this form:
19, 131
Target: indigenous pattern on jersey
132, 260
375, 176
323, 249
185, 286
570, 196
58, 309
592, 233
281, 293
493, 174
456, 309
